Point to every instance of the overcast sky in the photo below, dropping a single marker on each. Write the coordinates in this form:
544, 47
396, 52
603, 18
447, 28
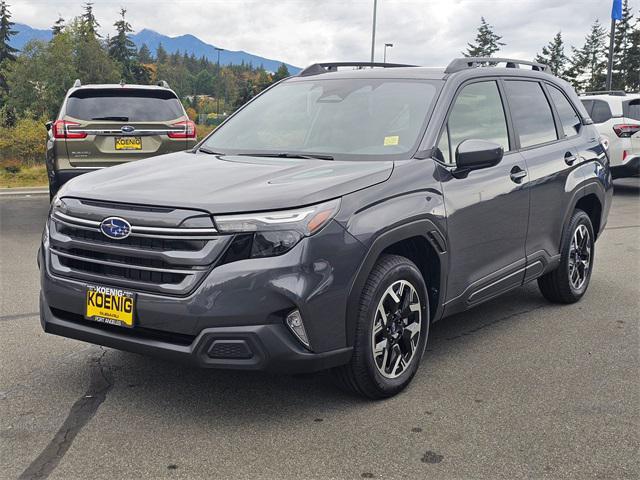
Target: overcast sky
300, 32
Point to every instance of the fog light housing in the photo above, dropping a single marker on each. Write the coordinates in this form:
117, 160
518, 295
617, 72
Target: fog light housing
294, 322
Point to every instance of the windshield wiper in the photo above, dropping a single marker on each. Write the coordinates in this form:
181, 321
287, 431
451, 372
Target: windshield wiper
210, 152
116, 119
313, 156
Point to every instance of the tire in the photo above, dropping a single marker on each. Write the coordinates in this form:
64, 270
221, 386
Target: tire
560, 285
364, 373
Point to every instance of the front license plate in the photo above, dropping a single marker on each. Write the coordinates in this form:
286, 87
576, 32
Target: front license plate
128, 143
110, 305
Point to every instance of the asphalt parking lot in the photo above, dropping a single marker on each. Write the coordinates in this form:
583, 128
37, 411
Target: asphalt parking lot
517, 388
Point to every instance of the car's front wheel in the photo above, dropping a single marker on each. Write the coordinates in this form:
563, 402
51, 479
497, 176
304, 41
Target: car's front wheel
391, 331
569, 282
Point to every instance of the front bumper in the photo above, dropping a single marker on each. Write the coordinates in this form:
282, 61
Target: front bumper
254, 347
235, 317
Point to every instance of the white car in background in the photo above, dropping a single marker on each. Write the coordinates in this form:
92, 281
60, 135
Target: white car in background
616, 114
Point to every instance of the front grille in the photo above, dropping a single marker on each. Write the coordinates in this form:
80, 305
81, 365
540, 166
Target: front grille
146, 243
120, 272
170, 260
115, 258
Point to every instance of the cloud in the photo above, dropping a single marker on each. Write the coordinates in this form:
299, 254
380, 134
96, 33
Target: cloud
300, 32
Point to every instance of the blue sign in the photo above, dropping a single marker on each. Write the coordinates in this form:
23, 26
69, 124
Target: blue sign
616, 10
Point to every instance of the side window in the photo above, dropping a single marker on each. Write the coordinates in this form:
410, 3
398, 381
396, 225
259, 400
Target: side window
531, 113
631, 109
571, 122
588, 106
601, 111
478, 114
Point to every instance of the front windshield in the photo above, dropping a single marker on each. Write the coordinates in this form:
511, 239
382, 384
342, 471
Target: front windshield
343, 118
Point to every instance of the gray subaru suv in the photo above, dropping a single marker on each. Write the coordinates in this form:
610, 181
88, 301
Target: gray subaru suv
332, 219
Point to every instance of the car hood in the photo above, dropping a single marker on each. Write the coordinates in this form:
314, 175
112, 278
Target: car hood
226, 183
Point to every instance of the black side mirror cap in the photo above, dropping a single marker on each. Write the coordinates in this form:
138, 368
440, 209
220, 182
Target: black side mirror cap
475, 154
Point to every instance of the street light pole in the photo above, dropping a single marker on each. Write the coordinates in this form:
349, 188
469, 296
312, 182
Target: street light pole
385, 51
219, 79
373, 31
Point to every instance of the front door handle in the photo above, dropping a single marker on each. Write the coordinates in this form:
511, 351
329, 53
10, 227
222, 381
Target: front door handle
517, 174
570, 158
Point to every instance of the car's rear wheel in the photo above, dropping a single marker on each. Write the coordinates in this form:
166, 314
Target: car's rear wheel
391, 331
569, 282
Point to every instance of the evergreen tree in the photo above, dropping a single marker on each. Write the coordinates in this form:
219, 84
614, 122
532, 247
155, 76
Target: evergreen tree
161, 54
175, 58
487, 42
90, 57
282, 72
204, 83
7, 52
621, 45
553, 55
144, 54
632, 79
589, 64
122, 48
58, 26
88, 23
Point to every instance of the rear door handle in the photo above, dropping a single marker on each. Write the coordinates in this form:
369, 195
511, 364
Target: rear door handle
517, 174
570, 158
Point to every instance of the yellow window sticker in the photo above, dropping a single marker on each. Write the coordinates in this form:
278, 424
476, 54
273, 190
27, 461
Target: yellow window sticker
392, 140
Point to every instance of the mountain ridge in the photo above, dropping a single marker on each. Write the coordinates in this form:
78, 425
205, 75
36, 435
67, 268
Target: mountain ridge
184, 43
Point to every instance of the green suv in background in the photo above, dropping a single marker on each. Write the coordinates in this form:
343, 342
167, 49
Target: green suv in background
103, 125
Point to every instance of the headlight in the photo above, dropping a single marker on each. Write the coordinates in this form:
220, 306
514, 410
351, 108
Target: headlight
273, 233
306, 220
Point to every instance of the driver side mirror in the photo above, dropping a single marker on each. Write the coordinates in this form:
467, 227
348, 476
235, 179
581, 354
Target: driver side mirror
475, 154
48, 125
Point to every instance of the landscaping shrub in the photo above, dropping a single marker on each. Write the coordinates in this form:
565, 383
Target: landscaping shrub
25, 141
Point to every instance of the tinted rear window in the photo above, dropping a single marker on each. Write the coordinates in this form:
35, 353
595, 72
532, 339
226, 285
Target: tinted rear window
531, 113
600, 112
588, 106
127, 105
631, 109
571, 122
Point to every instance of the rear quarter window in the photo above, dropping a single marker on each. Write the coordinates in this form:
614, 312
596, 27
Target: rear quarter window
631, 109
571, 122
126, 105
600, 112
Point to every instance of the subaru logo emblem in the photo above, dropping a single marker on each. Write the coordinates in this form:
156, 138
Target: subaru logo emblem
128, 129
115, 228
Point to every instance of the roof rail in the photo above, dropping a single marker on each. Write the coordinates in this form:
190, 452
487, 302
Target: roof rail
459, 64
318, 68
77, 83
617, 93
162, 83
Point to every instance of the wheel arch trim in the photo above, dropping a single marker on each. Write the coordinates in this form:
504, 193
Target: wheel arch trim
592, 187
420, 228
